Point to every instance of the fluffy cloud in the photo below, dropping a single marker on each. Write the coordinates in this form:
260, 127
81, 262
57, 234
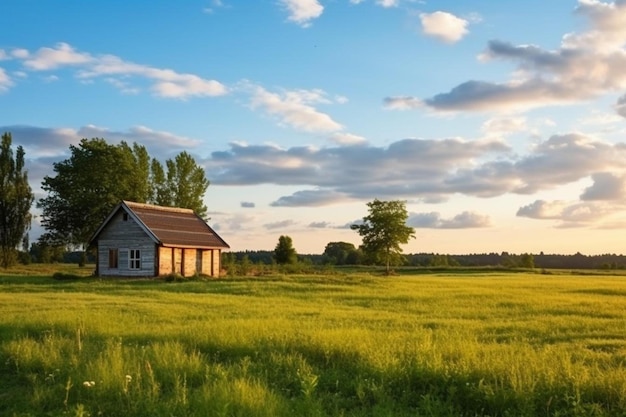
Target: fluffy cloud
295, 108
444, 26
5, 81
52, 58
586, 65
388, 3
501, 126
302, 11
568, 213
433, 220
320, 225
347, 139
403, 103
165, 82
310, 198
54, 142
428, 170
606, 186
620, 107
279, 225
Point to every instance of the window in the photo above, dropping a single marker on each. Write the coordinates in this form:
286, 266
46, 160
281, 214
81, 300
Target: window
125, 217
134, 259
113, 258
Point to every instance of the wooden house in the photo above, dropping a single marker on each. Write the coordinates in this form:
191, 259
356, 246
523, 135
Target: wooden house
143, 240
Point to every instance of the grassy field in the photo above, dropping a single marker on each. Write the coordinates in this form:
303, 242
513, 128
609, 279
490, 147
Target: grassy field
439, 344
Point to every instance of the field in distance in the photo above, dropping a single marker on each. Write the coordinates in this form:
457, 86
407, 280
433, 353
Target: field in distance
354, 344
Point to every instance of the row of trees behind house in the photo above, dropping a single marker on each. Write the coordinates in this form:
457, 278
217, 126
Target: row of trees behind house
84, 189
98, 175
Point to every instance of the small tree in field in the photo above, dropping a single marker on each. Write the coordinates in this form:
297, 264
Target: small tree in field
284, 252
383, 230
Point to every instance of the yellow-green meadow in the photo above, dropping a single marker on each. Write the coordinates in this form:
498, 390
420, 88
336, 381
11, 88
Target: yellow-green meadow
353, 344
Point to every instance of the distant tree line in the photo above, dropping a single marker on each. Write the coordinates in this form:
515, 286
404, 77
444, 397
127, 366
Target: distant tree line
352, 256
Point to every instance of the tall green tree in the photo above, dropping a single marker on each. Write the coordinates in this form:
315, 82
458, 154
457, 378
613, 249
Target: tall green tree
16, 199
98, 175
87, 186
285, 253
184, 184
383, 230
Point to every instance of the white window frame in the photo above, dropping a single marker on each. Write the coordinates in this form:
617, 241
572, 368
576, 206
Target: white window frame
134, 259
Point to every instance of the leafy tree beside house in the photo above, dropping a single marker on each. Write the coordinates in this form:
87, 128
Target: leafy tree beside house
97, 175
383, 230
183, 185
16, 199
87, 185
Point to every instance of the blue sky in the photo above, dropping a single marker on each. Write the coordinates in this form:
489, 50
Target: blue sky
501, 124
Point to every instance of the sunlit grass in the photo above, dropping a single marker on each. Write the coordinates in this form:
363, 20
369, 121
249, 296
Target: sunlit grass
492, 344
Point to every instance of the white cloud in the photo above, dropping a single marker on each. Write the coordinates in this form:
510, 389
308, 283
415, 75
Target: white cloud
282, 224
388, 3
606, 186
215, 4
320, 225
347, 139
294, 108
403, 103
5, 81
159, 142
541, 209
433, 220
500, 126
568, 213
20, 53
444, 26
54, 142
165, 82
620, 106
186, 85
585, 65
433, 170
311, 198
302, 11
60, 56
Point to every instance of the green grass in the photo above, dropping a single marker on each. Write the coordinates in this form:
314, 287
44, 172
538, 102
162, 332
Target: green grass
445, 344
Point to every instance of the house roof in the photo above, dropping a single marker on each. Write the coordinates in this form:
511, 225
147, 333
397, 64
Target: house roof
170, 226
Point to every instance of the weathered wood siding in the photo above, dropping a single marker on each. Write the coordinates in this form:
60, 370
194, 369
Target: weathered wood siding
189, 262
166, 261
125, 235
215, 264
207, 257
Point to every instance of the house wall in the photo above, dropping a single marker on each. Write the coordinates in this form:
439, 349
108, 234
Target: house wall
166, 261
188, 262
125, 235
216, 266
185, 261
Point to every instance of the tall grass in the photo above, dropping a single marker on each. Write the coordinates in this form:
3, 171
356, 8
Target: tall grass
338, 345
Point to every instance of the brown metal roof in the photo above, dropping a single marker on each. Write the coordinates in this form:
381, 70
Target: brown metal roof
176, 227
